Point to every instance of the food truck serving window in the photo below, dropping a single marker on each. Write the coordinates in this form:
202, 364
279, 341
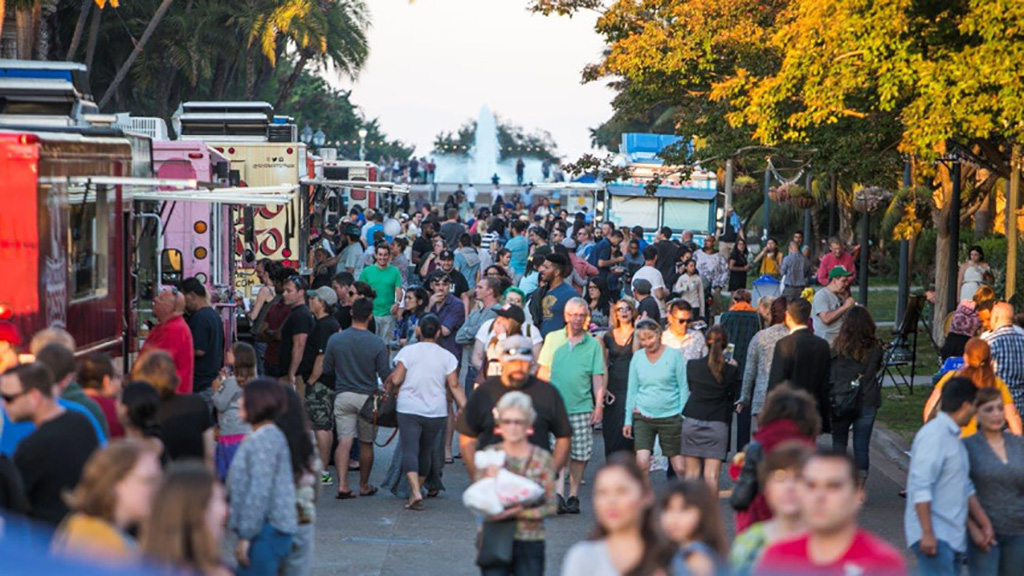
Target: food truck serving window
683, 214
88, 245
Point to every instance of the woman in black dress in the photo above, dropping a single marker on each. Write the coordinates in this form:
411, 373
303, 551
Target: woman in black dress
739, 265
619, 345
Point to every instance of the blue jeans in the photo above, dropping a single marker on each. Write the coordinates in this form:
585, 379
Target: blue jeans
862, 426
267, 553
946, 562
1006, 558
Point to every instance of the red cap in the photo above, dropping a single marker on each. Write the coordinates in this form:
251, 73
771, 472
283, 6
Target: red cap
9, 333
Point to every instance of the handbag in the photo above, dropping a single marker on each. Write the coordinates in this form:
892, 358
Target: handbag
495, 544
747, 488
845, 389
381, 410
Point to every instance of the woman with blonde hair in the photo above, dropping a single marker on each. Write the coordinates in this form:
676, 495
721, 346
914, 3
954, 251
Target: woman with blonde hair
114, 496
186, 526
978, 369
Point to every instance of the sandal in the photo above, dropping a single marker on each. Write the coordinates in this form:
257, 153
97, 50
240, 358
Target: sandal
449, 461
416, 506
370, 492
433, 493
344, 495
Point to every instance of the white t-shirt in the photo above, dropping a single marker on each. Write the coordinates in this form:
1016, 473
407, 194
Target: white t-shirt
427, 367
652, 275
471, 195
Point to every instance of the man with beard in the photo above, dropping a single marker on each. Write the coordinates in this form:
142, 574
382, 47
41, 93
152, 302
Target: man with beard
476, 423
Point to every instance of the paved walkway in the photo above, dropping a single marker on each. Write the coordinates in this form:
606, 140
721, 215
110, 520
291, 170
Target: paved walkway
376, 536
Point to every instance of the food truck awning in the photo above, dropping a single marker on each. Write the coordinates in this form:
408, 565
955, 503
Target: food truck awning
363, 184
250, 196
705, 194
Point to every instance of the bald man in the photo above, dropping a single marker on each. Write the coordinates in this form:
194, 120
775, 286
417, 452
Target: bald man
172, 335
1007, 344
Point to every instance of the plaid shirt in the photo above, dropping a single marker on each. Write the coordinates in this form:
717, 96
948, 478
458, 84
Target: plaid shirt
740, 325
1008, 359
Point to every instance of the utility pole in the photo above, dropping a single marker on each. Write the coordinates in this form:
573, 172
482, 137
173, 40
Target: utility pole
728, 186
767, 202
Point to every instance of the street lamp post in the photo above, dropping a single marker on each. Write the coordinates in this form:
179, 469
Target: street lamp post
306, 136
319, 139
362, 143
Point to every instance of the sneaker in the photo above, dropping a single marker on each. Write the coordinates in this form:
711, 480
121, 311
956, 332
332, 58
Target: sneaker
572, 506
562, 508
325, 478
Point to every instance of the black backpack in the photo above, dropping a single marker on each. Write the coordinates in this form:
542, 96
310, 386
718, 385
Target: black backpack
845, 385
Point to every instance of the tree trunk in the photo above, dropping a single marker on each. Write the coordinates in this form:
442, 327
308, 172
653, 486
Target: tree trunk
76, 39
44, 29
942, 262
289, 84
94, 33
26, 23
123, 70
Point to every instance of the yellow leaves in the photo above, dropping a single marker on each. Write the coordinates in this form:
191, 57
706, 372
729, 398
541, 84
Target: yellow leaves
103, 3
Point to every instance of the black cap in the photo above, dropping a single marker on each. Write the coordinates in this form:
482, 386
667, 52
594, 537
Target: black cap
512, 311
446, 255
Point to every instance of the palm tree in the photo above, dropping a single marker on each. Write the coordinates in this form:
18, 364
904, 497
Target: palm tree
334, 35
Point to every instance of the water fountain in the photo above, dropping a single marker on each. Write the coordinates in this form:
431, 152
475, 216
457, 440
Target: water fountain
484, 159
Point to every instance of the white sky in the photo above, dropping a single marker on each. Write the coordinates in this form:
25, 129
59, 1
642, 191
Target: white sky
434, 63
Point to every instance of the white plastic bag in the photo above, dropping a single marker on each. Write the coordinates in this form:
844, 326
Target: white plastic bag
514, 489
482, 497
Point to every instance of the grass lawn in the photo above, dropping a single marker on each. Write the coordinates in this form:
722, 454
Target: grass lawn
903, 413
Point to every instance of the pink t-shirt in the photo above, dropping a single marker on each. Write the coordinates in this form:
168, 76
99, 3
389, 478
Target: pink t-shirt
175, 338
829, 261
867, 555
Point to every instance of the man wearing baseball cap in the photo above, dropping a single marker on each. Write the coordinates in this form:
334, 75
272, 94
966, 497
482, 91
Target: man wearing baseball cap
319, 393
476, 421
831, 303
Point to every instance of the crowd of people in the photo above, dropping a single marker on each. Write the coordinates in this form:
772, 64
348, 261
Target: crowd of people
519, 328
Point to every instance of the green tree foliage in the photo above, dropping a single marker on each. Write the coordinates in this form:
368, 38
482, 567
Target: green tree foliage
513, 141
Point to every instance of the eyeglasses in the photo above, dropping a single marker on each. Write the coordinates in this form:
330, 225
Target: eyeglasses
512, 422
9, 398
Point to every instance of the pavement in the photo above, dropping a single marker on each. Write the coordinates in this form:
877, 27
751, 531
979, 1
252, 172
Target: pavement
377, 536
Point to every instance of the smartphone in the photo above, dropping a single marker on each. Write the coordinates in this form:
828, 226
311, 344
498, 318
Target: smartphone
730, 350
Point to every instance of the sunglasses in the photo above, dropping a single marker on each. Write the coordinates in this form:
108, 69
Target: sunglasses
519, 352
9, 398
623, 309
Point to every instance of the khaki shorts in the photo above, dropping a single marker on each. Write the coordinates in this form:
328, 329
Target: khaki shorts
669, 432
346, 417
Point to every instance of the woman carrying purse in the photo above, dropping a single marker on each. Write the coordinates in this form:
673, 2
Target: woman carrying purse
855, 390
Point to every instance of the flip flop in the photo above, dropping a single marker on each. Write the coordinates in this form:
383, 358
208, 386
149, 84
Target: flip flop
371, 492
416, 506
449, 461
344, 495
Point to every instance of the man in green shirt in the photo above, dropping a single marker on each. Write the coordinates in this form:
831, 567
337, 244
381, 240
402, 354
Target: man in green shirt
573, 361
386, 281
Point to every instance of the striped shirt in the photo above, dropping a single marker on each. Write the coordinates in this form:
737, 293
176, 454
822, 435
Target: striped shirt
1008, 359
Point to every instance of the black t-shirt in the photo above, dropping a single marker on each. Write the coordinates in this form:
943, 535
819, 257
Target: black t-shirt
316, 343
649, 305
50, 461
208, 335
459, 284
12, 493
477, 419
300, 321
343, 314
183, 419
421, 246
